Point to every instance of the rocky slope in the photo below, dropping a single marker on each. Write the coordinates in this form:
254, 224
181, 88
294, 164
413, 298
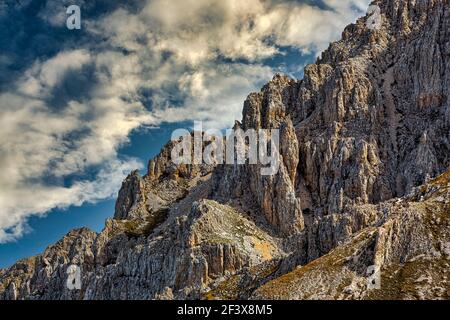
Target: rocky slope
362, 136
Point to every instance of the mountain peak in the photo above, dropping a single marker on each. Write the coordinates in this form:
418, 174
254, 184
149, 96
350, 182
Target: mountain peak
361, 136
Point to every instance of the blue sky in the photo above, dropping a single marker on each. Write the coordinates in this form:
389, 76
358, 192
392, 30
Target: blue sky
80, 109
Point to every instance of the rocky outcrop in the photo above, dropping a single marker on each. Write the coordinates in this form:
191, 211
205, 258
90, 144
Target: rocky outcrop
132, 198
273, 195
408, 249
191, 253
361, 137
46, 275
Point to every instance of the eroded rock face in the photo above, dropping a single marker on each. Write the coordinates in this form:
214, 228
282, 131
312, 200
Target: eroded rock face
46, 275
273, 195
360, 138
409, 247
362, 132
131, 199
181, 260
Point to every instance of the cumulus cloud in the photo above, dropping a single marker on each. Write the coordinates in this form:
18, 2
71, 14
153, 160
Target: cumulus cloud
42, 146
209, 51
64, 119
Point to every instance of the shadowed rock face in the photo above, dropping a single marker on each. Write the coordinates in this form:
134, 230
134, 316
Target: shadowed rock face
361, 137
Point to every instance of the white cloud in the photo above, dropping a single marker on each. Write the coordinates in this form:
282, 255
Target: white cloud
174, 49
215, 94
39, 143
42, 77
20, 201
181, 45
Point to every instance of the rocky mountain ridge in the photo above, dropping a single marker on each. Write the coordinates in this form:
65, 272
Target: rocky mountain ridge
363, 181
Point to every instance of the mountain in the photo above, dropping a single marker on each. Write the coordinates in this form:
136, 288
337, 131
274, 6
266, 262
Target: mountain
362, 187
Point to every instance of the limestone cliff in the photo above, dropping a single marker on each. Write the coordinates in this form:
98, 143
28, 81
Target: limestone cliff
363, 181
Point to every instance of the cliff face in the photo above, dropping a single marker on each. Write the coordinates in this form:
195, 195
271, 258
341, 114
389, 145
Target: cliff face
362, 135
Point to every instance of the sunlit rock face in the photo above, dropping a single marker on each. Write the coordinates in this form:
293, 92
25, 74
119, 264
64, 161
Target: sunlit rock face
363, 181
